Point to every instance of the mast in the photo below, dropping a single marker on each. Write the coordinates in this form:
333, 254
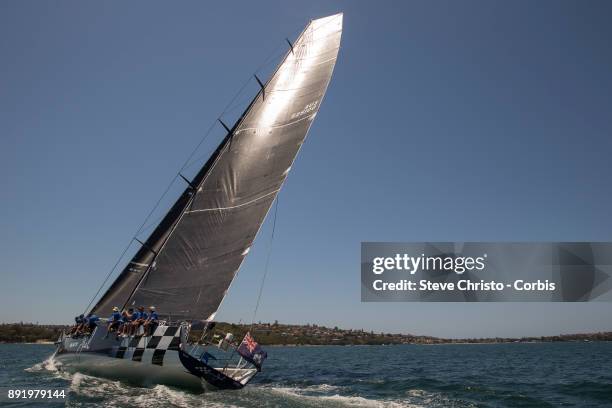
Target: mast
140, 264
197, 180
188, 263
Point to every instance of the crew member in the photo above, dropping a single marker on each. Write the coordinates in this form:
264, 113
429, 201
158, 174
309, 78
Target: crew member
115, 320
78, 320
152, 322
134, 316
139, 320
91, 321
81, 326
126, 318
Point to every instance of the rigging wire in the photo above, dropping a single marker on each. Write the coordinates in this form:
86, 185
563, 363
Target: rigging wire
266, 267
271, 57
186, 163
269, 60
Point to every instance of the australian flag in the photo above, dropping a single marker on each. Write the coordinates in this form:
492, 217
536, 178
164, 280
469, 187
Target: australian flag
251, 351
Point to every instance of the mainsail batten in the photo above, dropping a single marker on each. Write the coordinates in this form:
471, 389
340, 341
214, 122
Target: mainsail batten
193, 262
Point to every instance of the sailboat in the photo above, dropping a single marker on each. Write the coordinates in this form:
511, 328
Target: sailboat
187, 264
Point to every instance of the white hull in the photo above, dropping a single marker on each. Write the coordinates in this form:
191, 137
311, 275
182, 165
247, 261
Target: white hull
146, 361
135, 373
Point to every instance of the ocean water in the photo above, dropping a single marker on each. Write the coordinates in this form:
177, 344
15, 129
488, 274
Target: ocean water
462, 375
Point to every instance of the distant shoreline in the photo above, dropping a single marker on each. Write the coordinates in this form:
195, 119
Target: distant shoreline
47, 343
277, 334
436, 344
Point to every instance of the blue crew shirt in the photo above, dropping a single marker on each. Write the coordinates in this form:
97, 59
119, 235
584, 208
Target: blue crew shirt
115, 317
135, 316
92, 319
144, 315
153, 316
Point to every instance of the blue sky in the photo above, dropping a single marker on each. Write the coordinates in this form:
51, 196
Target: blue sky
476, 120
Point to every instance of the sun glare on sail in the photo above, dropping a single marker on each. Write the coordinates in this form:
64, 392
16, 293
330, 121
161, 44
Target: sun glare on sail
289, 80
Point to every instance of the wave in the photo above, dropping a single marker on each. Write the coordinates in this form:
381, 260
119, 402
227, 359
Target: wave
108, 393
436, 380
51, 366
45, 365
85, 389
89, 390
305, 396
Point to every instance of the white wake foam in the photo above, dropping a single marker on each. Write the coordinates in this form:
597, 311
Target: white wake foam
52, 366
305, 396
116, 394
48, 364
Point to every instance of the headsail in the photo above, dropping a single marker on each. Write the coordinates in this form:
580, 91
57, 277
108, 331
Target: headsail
190, 260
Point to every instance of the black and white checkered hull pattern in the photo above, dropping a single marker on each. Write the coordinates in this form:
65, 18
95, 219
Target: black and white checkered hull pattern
159, 349
157, 359
145, 361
